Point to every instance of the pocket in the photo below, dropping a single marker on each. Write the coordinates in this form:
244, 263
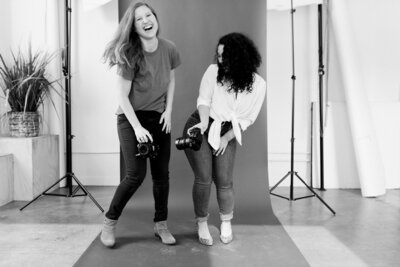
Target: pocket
122, 122
121, 118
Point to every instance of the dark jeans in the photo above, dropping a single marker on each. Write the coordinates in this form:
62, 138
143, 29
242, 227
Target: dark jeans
136, 167
209, 168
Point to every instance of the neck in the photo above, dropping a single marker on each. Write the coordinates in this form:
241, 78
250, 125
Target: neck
150, 45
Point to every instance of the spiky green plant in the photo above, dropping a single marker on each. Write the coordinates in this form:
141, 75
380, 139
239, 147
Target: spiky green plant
24, 82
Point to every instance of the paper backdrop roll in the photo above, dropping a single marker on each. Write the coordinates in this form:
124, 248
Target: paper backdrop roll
286, 4
92, 4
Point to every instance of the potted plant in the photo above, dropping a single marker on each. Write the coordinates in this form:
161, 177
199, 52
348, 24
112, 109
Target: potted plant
25, 86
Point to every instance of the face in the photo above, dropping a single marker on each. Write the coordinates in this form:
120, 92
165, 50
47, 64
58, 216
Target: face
146, 24
220, 50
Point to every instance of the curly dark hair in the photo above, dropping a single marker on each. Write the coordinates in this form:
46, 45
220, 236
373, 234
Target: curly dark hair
240, 60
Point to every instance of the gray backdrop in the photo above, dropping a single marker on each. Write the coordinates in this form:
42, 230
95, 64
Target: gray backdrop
195, 27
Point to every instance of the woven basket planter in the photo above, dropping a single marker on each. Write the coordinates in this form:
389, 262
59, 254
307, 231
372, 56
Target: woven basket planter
24, 124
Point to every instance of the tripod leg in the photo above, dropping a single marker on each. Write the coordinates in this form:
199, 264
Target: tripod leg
43, 193
87, 192
75, 190
278, 183
309, 188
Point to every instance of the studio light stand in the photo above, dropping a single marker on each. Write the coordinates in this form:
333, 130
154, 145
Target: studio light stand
292, 173
69, 176
321, 73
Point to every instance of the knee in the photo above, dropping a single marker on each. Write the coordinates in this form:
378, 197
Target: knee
160, 175
203, 180
224, 185
202, 175
134, 178
164, 181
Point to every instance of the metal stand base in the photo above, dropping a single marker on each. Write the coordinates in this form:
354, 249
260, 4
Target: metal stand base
291, 173
70, 193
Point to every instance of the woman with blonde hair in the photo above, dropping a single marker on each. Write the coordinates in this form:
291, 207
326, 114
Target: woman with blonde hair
146, 84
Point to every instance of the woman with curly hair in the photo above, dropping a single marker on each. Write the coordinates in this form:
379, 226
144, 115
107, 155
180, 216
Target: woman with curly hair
230, 98
146, 84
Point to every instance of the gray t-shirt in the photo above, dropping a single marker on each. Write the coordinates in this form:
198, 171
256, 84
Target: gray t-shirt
150, 85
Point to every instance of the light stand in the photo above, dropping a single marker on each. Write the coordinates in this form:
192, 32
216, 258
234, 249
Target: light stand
321, 73
292, 173
69, 176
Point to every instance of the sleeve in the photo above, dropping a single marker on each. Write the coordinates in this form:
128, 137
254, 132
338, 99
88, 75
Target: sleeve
207, 86
258, 97
125, 72
174, 57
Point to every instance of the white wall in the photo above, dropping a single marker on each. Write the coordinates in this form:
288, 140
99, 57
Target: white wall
279, 72
4, 48
95, 147
25, 22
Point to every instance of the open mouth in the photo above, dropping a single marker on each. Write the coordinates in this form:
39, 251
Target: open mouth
148, 28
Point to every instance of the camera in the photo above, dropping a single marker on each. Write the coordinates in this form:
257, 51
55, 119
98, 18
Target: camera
193, 141
147, 150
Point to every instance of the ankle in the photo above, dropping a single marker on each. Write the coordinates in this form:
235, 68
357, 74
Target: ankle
226, 228
107, 235
160, 225
226, 234
203, 232
161, 231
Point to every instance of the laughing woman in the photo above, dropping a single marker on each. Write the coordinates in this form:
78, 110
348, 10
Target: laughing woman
230, 98
146, 83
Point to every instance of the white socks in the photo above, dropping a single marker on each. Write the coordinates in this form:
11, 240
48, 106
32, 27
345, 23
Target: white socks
226, 228
204, 233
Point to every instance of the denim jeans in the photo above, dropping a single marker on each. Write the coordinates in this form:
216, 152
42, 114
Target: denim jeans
209, 168
136, 167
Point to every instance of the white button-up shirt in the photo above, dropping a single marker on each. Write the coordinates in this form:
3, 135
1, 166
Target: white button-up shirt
241, 111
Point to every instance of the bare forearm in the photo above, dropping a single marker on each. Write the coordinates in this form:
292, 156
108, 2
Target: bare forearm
229, 135
123, 88
129, 112
170, 96
170, 92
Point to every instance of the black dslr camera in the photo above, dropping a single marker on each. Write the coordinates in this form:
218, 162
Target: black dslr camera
193, 141
147, 150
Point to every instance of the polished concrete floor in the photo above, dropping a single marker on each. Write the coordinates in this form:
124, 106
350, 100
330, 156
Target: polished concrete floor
55, 231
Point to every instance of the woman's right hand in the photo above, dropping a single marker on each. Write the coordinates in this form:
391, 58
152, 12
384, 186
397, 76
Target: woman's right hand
142, 135
201, 125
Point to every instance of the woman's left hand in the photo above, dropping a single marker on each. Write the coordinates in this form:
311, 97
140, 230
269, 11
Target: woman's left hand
222, 146
166, 120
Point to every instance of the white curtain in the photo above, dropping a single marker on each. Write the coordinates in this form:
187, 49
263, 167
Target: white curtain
368, 158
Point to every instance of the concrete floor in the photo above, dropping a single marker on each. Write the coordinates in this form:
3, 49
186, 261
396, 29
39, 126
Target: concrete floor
55, 231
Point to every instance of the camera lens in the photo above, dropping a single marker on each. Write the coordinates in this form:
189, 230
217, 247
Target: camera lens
180, 143
192, 142
143, 149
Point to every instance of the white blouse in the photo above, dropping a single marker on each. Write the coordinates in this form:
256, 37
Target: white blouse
224, 106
